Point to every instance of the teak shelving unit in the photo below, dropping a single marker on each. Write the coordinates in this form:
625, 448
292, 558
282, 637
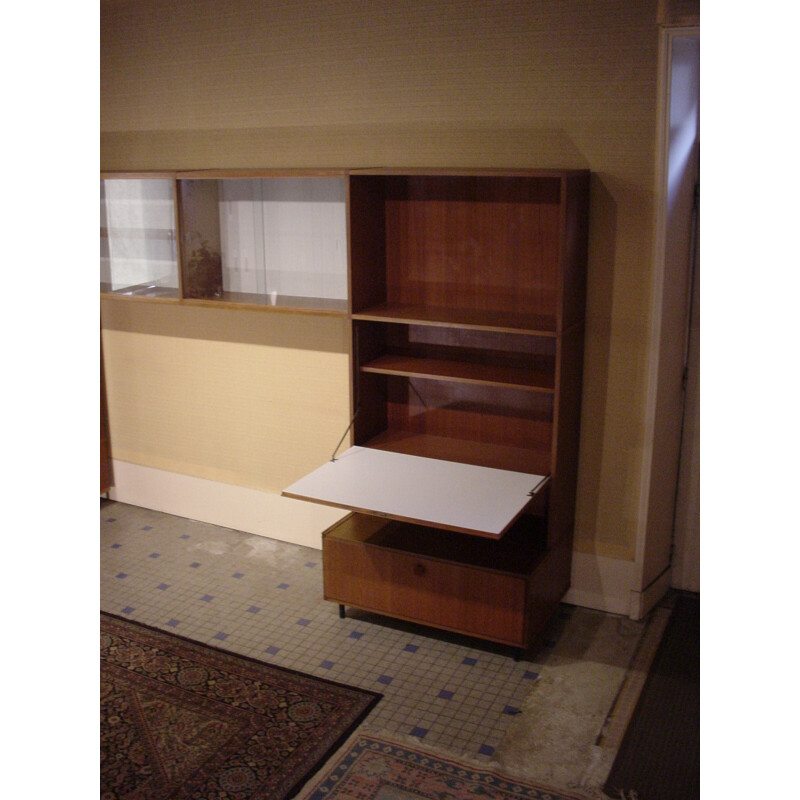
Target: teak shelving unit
466, 303
467, 296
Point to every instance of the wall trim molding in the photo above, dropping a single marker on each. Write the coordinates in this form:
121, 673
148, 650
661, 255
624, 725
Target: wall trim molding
250, 510
602, 583
641, 603
659, 260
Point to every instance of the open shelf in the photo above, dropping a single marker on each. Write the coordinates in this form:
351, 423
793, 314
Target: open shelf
466, 318
459, 371
487, 424
254, 238
458, 250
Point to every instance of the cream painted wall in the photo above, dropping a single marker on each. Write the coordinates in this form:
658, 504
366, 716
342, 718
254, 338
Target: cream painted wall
254, 399
213, 83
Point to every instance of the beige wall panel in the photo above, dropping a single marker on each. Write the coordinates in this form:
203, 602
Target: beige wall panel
257, 413
472, 83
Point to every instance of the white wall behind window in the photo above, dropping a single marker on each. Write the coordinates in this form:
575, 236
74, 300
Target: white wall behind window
285, 235
138, 217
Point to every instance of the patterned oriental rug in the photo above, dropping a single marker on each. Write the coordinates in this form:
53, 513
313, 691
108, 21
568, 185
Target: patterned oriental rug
374, 768
183, 720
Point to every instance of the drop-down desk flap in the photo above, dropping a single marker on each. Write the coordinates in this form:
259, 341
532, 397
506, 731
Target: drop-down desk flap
442, 494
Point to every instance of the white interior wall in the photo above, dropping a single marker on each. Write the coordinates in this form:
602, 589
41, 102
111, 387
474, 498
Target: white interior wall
285, 235
138, 217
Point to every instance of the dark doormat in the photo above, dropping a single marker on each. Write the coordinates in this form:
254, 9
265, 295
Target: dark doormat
659, 758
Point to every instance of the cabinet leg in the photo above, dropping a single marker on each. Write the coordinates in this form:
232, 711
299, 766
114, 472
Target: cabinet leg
341, 611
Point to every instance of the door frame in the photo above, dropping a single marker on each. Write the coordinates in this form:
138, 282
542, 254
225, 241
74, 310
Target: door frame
654, 538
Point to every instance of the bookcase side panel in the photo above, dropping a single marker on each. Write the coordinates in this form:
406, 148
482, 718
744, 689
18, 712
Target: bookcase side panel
367, 232
566, 433
574, 249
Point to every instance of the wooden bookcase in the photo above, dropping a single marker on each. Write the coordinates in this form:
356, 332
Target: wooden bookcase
467, 294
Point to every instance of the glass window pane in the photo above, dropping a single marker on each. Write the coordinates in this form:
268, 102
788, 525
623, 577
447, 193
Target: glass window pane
137, 236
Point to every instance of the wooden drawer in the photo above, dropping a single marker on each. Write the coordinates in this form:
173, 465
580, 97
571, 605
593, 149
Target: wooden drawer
425, 575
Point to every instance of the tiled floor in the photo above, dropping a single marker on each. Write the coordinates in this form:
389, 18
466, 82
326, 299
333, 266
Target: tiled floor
263, 599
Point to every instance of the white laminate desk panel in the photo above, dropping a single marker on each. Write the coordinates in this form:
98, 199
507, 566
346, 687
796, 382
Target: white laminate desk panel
442, 494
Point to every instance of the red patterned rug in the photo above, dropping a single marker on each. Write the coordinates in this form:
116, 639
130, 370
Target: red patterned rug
374, 768
183, 720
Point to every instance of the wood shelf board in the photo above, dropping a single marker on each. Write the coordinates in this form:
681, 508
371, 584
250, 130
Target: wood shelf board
141, 292
106, 175
461, 371
481, 501
298, 305
499, 321
241, 301
263, 302
246, 174
468, 172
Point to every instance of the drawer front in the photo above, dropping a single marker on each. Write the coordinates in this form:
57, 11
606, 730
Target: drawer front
459, 598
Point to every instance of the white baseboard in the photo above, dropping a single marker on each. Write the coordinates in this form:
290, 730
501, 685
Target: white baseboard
250, 510
601, 583
644, 601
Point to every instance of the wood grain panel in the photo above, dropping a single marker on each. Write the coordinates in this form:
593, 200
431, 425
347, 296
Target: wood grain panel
367, 233
566, 440
574, 250
410, 587
476, 586
488, 243
485, 414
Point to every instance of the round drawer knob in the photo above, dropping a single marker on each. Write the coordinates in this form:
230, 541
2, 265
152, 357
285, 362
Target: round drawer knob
419, 569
